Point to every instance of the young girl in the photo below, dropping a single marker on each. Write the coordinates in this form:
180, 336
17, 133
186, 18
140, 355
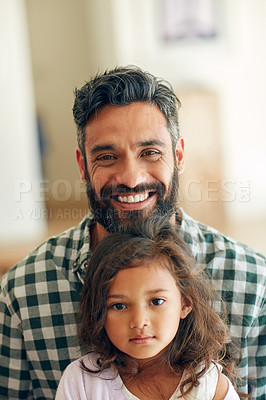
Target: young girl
146, 312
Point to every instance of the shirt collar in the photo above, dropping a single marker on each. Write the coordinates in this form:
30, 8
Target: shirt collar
84, 252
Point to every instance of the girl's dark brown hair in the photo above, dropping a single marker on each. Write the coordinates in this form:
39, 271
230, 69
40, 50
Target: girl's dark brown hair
201, 337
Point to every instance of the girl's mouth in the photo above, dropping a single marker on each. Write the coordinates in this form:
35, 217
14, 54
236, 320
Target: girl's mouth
142, 339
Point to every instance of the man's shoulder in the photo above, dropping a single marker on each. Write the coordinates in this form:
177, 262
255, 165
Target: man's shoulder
58, 251
210, 242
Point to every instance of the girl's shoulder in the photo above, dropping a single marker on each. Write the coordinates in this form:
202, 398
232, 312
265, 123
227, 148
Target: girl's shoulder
78, 383
88, 366
206, 389
207, 383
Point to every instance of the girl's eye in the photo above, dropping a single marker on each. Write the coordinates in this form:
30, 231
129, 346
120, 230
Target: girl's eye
157, 302
118, 306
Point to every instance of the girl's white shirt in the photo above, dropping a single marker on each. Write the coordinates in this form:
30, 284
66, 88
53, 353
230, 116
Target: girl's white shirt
77, 384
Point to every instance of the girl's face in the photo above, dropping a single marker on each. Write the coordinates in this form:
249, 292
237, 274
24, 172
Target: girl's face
144, 307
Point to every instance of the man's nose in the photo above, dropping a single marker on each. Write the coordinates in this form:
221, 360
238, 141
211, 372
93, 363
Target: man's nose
139, 318
131, 173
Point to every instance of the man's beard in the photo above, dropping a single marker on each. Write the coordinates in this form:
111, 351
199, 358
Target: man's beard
114, 220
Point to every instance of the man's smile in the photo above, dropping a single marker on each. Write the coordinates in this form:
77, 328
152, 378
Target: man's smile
132, 198
133, 201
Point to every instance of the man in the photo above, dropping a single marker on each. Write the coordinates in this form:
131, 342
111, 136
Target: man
130, 154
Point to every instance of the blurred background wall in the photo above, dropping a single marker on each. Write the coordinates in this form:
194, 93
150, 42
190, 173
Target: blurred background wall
216, 62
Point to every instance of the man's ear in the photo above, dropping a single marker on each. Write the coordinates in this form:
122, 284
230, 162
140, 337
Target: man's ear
81, 164
180, 151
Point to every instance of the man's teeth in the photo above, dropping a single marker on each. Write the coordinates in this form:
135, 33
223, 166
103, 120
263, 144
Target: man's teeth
133, 199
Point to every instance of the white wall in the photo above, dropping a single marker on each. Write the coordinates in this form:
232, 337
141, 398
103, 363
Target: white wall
19, 156
233, 65
61, 60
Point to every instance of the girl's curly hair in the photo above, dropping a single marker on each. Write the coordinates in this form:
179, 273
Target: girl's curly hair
202, 337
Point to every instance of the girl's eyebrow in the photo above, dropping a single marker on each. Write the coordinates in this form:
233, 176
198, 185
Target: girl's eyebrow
155, 291
149, 292
117, 296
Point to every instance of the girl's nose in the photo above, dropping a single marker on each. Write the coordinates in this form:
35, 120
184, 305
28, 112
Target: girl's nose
139, 319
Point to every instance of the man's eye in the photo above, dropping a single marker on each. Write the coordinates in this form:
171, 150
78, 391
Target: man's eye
157, 302
150, 153
106, 157
118, 306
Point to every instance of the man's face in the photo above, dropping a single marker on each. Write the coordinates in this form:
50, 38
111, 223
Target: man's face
132, 172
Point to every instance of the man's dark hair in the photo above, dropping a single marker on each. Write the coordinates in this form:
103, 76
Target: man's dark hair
119, 87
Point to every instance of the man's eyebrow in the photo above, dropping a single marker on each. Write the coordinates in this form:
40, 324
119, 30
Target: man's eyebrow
151, 143
102, 147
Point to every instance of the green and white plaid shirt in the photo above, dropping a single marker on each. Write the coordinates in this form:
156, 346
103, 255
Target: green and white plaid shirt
40, 295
